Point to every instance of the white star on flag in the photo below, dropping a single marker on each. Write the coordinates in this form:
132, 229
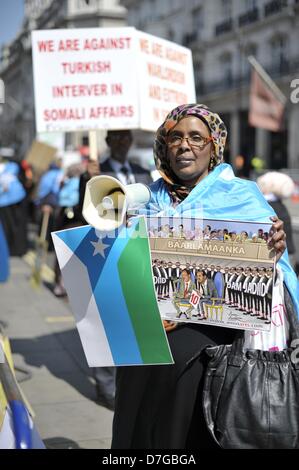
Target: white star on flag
99, 248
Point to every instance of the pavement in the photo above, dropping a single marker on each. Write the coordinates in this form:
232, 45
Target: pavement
50, 364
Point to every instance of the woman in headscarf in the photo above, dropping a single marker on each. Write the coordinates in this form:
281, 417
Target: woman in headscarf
160, 407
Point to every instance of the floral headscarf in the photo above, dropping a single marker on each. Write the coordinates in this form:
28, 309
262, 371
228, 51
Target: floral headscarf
218, 133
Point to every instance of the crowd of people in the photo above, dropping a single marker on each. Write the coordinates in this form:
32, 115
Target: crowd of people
208, 233
15, 187
24, 197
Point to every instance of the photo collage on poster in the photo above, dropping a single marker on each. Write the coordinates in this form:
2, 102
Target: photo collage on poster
213, 272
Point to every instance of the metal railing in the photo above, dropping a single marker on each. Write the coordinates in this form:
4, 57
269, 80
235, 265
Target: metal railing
224, 84
189, 38
274, 6
250, 16
285, 68
224, 27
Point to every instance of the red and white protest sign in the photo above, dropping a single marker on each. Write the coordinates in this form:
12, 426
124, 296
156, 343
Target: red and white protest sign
107, 78
165, 79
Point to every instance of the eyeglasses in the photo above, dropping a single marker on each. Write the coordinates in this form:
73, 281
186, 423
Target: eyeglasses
194, 141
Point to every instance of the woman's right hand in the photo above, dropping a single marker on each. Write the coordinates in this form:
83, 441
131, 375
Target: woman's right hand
169, 325
127, 220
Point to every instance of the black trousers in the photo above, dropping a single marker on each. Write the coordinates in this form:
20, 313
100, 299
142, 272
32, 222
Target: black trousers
160, 407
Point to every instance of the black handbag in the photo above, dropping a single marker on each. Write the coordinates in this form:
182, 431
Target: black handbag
251, 398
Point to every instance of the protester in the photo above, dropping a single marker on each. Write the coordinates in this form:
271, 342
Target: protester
159, 407
277, 186
69, 214
118, 166
47, 196
13, 213
27, 179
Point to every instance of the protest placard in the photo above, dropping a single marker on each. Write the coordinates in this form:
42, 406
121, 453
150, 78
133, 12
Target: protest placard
165, 79
40, 155
213, 272
107, 78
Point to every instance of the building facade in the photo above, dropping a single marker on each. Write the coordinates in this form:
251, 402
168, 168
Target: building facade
17, 120
221, 35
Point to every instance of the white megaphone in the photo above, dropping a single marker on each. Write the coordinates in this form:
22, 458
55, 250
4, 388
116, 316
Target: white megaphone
106, 201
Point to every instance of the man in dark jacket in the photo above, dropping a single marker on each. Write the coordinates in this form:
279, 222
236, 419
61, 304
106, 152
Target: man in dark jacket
116, 165
207, 290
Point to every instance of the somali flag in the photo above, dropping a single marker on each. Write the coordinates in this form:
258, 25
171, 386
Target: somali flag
110, 288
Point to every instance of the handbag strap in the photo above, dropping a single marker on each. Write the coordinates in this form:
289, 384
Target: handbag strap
236, 353
235, 357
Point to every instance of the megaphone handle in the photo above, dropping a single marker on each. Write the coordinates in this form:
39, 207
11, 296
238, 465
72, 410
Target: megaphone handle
115, 190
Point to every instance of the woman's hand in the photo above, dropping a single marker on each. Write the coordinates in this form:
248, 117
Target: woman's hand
128, 222
277, 239
169, 325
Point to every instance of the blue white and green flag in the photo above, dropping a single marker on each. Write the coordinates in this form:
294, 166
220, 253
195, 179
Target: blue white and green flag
110, 288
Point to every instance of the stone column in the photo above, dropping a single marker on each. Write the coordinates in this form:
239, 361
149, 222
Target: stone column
293, 137
262, 146
234, 136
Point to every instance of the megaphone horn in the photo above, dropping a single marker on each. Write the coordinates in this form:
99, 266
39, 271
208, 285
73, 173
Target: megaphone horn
106, 201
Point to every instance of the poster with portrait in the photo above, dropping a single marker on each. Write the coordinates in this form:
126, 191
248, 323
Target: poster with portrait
213, 272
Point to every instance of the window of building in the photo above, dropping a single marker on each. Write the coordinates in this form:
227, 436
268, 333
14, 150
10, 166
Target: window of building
198, 78
226, 9
176, 4
151, 12
82, 5
249, 49
279, 53
226, 67
198, 21
250, 4
34, 8
170, 34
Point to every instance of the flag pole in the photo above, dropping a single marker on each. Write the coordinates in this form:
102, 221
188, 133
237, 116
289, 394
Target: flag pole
267, 79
